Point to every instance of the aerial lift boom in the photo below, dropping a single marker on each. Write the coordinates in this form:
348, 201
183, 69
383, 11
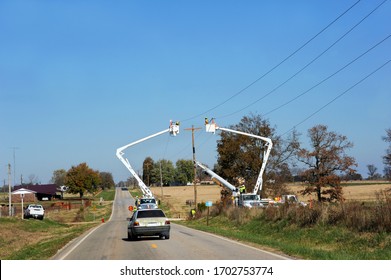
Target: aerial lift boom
212, 127
217, 177
173, 130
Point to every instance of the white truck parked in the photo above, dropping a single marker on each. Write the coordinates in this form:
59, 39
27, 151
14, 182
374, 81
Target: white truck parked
35, 211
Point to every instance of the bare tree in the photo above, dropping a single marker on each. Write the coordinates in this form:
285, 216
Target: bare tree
371, 171
387, 157
326, 160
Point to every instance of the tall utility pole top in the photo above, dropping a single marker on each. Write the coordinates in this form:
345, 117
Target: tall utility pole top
9, 191
194, 161
14, 148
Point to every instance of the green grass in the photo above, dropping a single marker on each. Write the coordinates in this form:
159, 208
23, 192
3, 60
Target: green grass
135, 192
52, 236
107, 195
317, 242
35, 239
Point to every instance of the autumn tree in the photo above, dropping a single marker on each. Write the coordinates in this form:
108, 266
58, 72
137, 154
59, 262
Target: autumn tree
81, 179
148, 165
325, 161
240, 157
387, 157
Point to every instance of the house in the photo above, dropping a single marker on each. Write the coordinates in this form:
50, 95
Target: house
43, 192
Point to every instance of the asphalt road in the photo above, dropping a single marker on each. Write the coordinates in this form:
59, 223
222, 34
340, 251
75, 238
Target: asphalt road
109, 242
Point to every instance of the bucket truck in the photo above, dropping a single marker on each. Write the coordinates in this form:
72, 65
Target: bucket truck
173, 129
252, 199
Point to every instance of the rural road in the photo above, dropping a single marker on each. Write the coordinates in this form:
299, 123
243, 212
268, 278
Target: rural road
109, 242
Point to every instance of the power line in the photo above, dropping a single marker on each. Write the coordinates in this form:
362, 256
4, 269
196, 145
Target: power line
277, 65
330, 76
307, 65
337, 97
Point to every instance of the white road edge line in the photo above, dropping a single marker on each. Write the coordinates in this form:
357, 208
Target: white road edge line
239, 243
85, 237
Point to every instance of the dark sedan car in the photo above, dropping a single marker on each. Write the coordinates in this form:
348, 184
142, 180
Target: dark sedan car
148, 222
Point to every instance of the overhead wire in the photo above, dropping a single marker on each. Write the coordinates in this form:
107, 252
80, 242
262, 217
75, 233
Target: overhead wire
337, 97
303, 68
277, 65
328, 77
307, 65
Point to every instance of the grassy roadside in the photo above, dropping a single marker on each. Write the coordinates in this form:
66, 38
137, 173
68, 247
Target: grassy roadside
32, 239
35, 239
315, 243
319, 241
322, 240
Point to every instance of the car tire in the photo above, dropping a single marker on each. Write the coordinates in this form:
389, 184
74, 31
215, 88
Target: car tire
131, 236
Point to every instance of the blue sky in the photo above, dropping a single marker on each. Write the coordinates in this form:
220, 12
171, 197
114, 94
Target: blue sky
78, 79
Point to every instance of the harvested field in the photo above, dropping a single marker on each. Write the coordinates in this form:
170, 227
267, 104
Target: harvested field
352, 191
177, 197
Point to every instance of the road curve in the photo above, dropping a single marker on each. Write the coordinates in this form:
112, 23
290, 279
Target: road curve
109, 241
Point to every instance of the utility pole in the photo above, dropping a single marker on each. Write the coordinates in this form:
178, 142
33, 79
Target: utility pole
9, 190
195, 167
14, 148
161, 179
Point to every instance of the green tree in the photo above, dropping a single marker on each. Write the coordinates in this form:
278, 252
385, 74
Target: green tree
184, 171
167, 172
325, 162
107, 181
58, 177
81, 179
240, 157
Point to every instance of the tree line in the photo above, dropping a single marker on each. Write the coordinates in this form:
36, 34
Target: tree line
82, 179
322, 165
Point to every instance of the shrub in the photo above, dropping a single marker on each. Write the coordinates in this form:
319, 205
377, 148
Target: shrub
358, 216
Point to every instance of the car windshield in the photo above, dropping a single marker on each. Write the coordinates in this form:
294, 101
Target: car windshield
151, 214
250, 197
147, 200
148, 206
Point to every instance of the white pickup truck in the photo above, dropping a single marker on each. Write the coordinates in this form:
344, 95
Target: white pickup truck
34, 211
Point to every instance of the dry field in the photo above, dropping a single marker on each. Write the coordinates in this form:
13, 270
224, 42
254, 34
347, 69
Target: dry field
176, 197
